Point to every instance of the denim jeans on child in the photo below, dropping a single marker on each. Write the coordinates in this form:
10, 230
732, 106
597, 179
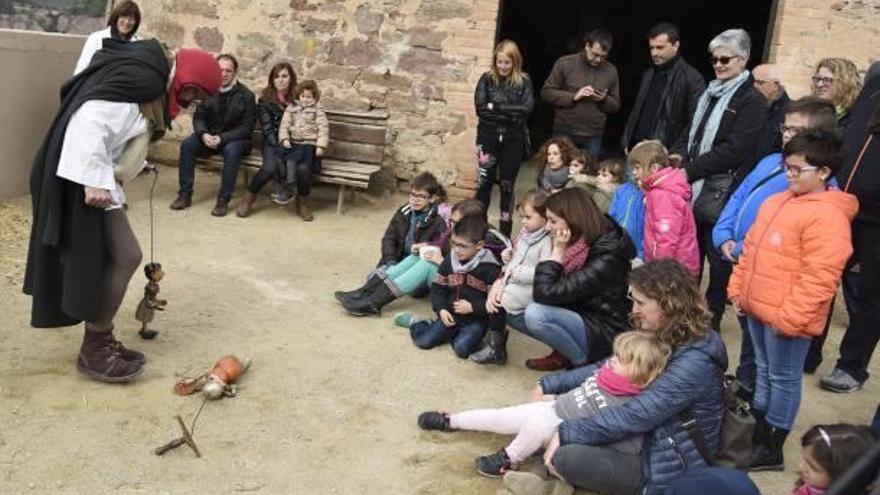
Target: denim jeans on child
561, 329
465, 335
412, 274
780, 369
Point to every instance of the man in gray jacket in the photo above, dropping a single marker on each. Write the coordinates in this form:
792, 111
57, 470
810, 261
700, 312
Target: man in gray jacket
583, 88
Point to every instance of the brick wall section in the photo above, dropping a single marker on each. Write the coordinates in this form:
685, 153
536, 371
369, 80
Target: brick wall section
809, 30
419, 60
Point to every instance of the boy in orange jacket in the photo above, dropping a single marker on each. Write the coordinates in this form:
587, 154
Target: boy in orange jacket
792, 261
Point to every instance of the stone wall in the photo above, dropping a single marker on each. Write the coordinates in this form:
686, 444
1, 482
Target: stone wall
419, 60
809, 30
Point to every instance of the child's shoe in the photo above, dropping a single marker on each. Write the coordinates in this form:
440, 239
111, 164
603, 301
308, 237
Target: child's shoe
283, 197
434, 420
404, 319
493, 465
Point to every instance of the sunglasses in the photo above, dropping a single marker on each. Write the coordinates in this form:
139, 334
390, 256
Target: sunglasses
722, 60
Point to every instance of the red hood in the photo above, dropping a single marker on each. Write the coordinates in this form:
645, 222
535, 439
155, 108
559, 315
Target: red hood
193, 67
669, 179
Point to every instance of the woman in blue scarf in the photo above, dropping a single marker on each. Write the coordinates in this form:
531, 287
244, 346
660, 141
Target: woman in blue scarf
719, 146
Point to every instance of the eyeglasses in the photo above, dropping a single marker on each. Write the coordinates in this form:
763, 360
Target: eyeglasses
722, 60
422, 197
794, 129
795, 170
460, 245
818, 81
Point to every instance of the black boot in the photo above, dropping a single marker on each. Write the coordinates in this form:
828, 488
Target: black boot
767, 454
495, 350
358, 293
371, 303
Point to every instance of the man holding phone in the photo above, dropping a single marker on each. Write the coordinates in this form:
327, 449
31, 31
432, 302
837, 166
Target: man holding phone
583, 88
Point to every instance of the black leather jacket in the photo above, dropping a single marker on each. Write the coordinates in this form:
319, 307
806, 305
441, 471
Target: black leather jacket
270, 113
510, 104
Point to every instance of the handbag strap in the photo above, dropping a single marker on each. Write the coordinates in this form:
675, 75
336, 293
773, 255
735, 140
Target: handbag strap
689, 423
766, 180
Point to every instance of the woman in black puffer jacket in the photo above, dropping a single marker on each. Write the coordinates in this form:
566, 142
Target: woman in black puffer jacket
503, 101
274, 99
580, 294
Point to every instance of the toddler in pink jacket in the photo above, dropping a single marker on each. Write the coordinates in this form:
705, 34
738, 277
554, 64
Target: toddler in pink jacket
670, 230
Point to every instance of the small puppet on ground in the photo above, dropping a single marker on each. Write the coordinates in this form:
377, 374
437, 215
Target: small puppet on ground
146, 309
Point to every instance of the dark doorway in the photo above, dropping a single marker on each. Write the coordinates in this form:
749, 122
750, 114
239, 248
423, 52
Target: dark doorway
546, 32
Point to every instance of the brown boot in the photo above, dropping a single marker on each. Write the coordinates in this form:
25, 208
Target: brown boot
182, 202
99, 359
551, 362
245, 205
302, 209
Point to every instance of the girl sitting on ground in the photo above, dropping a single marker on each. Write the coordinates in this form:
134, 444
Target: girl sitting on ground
670, 230
510, 294
414, 274
639, 358
304, 132
602, 185
553, 160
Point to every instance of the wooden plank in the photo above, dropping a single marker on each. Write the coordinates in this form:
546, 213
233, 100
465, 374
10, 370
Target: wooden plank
362, 119
346, 182
365, 167
359, 152
369, 134
347, 175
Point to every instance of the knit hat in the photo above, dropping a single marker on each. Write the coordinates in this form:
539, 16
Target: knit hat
193, 67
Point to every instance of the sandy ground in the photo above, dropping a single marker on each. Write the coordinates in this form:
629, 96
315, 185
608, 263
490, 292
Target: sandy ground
330, 404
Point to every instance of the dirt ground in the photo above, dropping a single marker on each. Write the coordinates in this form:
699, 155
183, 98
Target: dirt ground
330, 404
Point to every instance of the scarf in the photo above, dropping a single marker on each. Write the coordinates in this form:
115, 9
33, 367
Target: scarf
193, 67
723, 91
483, 255
575, 256
415, 219
281, 97
554, 179
530, 238
806, 489
614, 383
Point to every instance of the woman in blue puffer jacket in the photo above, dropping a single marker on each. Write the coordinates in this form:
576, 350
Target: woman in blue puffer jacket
666, 300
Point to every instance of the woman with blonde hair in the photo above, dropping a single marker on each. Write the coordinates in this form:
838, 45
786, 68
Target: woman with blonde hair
837, 80
503, 99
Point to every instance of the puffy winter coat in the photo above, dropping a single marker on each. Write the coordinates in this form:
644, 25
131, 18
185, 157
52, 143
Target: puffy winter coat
792, 261
670, 230
597, 292
741, 209
692, 381
306, 124
519, 273
628, 210
394, 240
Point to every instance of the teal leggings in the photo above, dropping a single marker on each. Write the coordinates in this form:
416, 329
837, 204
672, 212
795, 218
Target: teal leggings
412, 273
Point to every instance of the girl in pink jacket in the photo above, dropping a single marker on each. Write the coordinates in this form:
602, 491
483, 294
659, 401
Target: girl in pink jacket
670, 230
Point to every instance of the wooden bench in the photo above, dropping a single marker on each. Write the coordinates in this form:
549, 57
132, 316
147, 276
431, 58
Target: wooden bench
354, 154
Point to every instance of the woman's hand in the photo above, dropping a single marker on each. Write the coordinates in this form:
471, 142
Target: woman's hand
549, 452
97, 197
561, 238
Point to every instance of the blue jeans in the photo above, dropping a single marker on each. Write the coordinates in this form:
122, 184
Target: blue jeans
233, 152
560, 328
465, 336
746, 370
587, 144
780, 370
